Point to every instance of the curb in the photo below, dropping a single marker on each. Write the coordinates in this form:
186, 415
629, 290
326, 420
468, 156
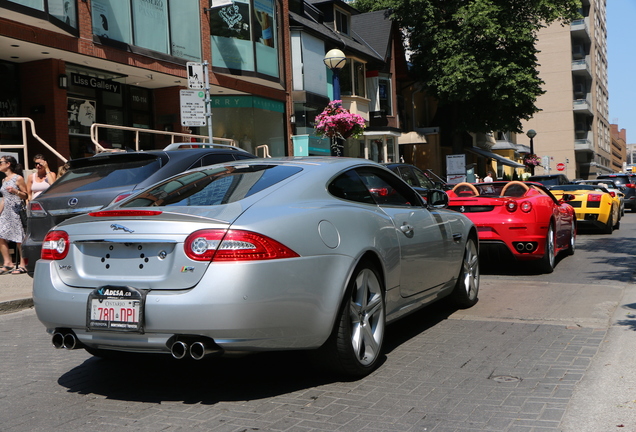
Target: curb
15, 305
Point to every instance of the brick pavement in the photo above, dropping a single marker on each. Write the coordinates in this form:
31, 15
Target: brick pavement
440, 375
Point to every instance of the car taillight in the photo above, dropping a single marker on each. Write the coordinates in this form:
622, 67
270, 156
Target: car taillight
594, 197
235, 245
511, 206
526, 206
55, 245
630, 185
36, 209
118, 213
613, 194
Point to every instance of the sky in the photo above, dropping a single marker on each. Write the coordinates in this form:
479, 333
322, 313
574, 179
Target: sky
621, 63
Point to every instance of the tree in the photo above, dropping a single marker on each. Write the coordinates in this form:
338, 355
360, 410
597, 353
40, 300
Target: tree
476, 57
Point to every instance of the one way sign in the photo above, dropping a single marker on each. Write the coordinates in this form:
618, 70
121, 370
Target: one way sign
195, 75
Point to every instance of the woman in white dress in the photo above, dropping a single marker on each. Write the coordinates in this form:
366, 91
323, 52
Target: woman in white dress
13, 191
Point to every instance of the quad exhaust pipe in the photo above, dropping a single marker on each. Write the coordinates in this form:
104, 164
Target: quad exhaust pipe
197, 350
65, 339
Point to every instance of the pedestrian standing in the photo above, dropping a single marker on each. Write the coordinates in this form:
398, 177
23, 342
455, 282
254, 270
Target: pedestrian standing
14, 192
488, 177
41, 179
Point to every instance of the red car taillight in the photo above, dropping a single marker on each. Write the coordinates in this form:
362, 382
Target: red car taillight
630, 185
55, 245
594, 197
36, 209
235, 245
613, 194
511, 206
526, 207
118, 213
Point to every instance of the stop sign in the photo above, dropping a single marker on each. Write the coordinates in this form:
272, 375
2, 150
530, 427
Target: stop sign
560, 166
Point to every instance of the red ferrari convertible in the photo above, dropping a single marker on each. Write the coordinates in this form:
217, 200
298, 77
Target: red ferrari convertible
523, 218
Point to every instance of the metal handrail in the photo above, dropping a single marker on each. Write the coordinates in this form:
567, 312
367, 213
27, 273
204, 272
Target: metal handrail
23, 146
204, 138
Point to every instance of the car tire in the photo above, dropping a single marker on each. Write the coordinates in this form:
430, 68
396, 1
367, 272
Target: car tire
355, 346
609, 226
466, 289
546, 263
572, 245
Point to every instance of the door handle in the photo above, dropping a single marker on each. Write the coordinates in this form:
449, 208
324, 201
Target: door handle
407, 229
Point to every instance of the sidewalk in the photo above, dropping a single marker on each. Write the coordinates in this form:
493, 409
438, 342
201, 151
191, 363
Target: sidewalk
16, 292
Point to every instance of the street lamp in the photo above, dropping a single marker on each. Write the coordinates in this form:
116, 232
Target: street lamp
531, 134
335, 60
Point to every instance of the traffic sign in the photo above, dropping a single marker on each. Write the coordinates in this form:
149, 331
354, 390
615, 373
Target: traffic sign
195, 75
193, 108
560, 166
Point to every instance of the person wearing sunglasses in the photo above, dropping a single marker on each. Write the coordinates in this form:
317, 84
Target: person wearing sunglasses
14, 192
41, 179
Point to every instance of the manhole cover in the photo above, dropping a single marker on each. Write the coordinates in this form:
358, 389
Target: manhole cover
506, 378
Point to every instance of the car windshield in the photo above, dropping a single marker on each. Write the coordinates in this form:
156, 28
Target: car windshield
106, 175
213, 186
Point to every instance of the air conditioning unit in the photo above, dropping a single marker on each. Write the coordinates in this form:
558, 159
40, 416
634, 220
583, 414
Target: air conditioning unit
578, 52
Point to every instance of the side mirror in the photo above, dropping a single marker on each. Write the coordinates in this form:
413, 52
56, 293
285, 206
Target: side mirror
436, 198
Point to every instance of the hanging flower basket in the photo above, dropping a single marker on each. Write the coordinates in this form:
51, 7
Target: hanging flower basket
531, 160
337, 121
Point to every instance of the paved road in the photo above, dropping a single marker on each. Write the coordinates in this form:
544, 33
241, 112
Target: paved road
537, 353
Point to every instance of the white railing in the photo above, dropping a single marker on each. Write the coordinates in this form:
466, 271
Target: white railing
23, 146
204, 138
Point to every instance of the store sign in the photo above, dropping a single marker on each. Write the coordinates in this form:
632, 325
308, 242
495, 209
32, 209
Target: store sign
95, 83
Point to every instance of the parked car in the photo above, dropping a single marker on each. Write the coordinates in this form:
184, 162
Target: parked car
626, 182
256, 255
550, 179
94, 182
613, 189
521, 219
594, 205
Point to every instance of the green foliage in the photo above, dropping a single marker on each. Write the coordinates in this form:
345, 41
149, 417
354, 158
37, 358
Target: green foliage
477, 57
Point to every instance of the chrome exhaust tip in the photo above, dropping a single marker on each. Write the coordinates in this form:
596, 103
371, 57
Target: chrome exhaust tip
179, 350
70, 341
529, 246
520, 247
58, 340
199, 350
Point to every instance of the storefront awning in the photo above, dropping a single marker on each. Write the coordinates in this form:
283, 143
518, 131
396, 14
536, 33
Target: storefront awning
495, 156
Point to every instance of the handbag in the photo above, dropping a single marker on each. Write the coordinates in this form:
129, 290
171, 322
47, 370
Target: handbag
23, 215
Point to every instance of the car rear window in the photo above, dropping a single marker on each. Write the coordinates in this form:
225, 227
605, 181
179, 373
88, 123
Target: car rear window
105, 175
213, 186
620, 179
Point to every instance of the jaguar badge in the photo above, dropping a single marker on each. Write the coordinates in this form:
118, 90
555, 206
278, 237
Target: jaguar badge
116, 227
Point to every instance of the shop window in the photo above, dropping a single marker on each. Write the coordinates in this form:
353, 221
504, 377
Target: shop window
244, 37
157, 26
61, 13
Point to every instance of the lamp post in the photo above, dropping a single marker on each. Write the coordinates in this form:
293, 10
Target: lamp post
531, 134
335, 60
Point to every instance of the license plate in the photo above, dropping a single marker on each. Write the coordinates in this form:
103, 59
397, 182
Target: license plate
116, 308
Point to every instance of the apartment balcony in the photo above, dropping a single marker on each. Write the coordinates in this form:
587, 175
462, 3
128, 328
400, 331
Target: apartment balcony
582, 106
581, 67
581, 29
585, 145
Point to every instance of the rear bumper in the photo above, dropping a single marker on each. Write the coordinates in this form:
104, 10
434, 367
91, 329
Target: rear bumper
511, 236
240, 307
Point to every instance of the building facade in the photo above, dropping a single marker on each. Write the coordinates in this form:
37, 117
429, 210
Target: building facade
69, 64
573, 126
